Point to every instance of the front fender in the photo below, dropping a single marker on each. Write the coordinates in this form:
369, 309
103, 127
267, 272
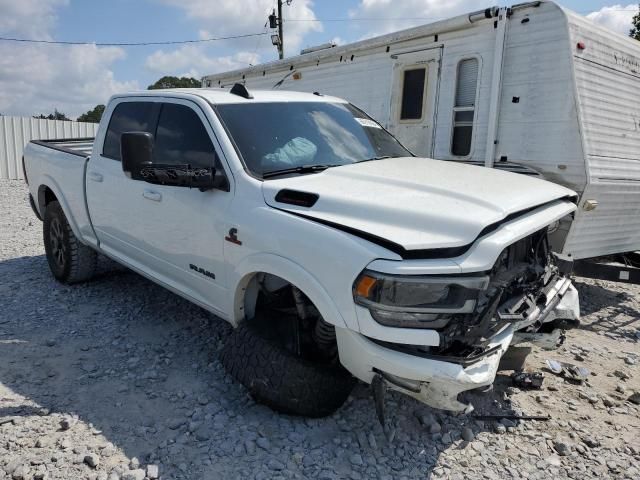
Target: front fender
292, 273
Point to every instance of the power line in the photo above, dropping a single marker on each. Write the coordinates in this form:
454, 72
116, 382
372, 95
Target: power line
130, 44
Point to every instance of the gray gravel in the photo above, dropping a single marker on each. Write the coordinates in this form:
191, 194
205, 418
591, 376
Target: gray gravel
120, 379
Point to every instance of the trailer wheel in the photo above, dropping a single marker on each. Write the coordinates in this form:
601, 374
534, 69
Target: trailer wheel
281, 380
69, 260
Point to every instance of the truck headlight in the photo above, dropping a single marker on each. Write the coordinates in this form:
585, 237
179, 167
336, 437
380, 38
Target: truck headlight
417, 301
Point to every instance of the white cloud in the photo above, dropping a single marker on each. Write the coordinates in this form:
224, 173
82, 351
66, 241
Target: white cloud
192, 61
616, 17
225, 17
72, 79
37, 78
397, 15
30, 18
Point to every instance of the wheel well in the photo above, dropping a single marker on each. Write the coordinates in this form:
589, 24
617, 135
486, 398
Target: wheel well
45, 197
282, 310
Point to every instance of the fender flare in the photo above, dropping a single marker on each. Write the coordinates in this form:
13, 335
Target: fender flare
49, 183
292, 273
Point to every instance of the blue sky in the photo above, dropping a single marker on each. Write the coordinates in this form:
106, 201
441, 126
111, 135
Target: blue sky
38, 78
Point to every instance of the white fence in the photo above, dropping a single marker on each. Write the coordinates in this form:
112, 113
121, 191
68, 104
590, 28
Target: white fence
16, 132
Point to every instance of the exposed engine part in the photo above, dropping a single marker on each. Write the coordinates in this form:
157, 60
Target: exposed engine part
517, 292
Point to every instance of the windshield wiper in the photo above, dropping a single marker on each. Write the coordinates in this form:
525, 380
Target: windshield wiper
300, 169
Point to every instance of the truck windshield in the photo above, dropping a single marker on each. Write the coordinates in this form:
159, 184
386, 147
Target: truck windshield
305, 137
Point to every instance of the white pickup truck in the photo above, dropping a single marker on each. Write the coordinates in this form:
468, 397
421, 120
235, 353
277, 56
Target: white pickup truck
333, 250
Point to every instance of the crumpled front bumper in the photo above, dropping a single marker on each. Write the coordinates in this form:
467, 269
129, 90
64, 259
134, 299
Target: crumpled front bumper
436, 382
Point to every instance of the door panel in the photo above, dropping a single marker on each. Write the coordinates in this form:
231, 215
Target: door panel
413, 99
174, 234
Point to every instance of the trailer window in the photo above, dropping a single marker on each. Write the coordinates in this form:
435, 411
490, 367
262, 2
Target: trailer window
464, 108
413, 93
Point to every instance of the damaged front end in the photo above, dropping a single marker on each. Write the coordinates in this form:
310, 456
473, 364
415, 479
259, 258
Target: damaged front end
526, 296
526, 287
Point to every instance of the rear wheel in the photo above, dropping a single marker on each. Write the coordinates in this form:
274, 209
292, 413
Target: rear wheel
69, 260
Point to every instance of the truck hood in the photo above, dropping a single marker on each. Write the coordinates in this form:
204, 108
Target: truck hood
414, 203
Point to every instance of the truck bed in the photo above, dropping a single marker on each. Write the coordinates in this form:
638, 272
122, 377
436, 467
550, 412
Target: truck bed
76, 146
61, 165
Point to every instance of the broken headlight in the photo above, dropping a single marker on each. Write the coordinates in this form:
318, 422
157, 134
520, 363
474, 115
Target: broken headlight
417, 301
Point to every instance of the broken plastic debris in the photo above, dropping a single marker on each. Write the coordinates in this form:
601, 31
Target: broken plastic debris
568, 370
554, 366
527, 379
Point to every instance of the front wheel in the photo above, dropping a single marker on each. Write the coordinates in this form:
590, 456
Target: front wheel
70, 260
281, 380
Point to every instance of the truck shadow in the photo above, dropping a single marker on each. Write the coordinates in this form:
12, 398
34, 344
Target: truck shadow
605, 310
140, 365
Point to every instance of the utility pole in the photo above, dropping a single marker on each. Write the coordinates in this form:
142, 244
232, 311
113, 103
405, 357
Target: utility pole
280, 22
276, 21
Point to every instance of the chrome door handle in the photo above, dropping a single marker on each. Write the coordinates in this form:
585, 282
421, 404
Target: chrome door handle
151, 195
95, 176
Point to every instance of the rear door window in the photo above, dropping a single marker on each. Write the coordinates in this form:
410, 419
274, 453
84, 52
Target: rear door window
128, 117
181, 138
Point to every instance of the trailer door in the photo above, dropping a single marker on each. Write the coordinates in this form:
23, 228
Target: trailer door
414, 92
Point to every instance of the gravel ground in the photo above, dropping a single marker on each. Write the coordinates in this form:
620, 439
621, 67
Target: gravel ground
120, 379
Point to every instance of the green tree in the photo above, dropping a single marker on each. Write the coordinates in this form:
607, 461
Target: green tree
175, 82
56, 115
635, 31
92, 116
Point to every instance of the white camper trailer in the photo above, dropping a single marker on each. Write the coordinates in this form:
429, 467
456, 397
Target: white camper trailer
532, 88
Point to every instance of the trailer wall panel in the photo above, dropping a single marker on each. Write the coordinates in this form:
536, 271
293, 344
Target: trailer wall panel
538, 120
608, 81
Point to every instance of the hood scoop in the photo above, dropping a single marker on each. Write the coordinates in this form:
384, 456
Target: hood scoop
296, 197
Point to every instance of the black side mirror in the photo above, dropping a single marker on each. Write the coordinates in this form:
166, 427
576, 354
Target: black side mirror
136, 150
136, 153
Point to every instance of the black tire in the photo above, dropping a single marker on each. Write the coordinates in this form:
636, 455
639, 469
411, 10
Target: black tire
69, 260
281, 380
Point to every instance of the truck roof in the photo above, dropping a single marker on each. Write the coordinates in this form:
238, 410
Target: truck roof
224, 95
